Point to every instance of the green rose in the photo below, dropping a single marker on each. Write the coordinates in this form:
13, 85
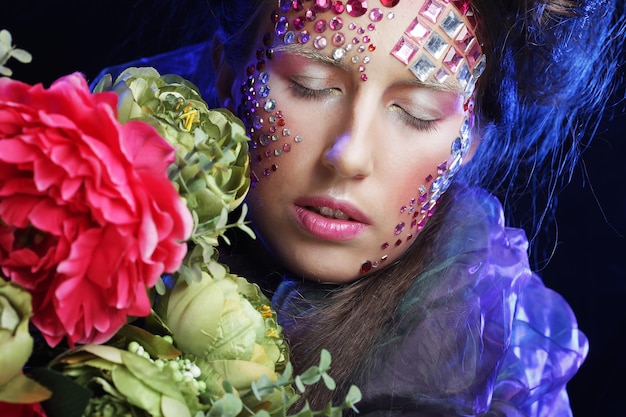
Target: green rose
212, 168
16, 346
224, 323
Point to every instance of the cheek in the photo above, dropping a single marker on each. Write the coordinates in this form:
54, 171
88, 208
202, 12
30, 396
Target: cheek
412, 202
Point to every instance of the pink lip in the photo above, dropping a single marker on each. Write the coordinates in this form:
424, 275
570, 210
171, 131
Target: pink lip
326, 228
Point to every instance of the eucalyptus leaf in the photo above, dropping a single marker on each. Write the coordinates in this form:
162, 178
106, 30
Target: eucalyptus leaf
228, 406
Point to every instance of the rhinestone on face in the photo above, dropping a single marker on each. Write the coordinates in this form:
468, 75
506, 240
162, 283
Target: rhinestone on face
376, 15
422, 68
452, 60
303, 37
282, 26
339, 53
418, 31
338, 39
338, 7
404, 50
320, 42
451, 24
436, 45
336, 23
320, 26
356, 8
389, 3
322, 6
432, 10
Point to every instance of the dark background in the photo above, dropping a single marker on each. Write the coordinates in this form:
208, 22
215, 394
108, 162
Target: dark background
588, 235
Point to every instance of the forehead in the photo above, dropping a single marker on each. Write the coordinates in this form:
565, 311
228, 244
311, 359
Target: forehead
433, 39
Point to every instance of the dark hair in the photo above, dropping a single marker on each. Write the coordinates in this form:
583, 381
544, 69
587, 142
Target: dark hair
551, 67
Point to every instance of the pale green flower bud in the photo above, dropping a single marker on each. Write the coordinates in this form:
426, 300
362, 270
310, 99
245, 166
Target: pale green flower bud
16, 346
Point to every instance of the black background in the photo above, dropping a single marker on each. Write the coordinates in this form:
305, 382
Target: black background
588, 266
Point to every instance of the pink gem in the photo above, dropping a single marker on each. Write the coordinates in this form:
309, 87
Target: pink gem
441, 75
320, 26
299, 22
361, 30
338, 39
310, 15
366, 39
356, 8
389, 3
366, 267
371, 26
338, 7
322, 6
399, 228
286, 147
336, 23
418, 31
363, 77
474, 54
464, 38
462, 5
320, 42
432, 10
452, 59
404, 50
376, 15
296, 5
384, 246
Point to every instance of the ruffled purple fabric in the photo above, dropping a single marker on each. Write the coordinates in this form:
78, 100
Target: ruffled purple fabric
477, 334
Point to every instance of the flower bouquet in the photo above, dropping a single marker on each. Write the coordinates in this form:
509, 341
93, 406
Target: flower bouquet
113, 302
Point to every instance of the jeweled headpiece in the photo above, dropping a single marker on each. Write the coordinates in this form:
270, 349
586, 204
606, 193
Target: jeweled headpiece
439, 43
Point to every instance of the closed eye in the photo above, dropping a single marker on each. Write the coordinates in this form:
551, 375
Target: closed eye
412, 121
300, 90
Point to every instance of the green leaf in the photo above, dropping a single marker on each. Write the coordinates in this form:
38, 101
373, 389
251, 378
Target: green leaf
172, 407
354, 396
137, 393
156, 346
228, 406
311, 375
147, 372
325, 360
21, 55
329, 381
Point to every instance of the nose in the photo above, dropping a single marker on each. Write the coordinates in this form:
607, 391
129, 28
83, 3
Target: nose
350, 153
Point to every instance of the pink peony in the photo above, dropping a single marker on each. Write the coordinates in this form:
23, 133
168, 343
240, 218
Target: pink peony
88, 217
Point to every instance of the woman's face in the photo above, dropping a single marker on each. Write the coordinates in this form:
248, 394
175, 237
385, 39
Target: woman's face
351, 147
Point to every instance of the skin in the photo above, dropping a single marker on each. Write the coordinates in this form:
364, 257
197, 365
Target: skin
367, 147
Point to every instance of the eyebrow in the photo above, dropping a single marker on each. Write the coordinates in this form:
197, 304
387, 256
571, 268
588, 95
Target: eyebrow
312, 54
320, 57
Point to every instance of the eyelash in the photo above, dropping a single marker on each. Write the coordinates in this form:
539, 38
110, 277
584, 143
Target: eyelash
419, 124
305, 92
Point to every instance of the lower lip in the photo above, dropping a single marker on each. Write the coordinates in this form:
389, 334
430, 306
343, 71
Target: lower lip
325, 228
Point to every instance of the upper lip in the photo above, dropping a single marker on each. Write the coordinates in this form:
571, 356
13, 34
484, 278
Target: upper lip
324, 201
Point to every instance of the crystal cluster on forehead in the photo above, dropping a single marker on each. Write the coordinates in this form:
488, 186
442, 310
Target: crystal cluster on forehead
441, 42
297, 22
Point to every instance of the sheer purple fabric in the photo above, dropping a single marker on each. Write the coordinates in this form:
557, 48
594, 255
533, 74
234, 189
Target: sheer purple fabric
477, 334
